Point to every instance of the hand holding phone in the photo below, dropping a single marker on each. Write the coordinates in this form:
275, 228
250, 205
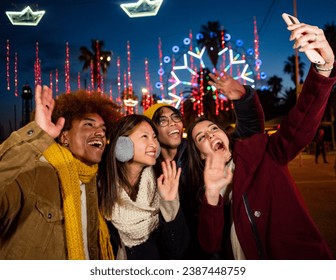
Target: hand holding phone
312, 55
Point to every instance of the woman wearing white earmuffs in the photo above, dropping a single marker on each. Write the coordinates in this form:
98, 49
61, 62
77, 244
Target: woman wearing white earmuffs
146, 221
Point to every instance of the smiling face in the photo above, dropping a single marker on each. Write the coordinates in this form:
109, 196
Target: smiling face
209, 138
171, 134
86, 139
145, 144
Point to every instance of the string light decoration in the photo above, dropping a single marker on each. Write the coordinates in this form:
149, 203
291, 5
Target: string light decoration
142, 8
147, 98
37, 67
256, 48
161, 71
25, 17
16, 74
119, 82
56, 81
130, 100
99, 80
67, 68
51, 79
78, 80
8, 65
237, 61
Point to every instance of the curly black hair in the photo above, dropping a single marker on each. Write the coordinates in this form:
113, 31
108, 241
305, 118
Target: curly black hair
75, 105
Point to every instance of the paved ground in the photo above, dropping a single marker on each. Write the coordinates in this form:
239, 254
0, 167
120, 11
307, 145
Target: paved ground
317, 183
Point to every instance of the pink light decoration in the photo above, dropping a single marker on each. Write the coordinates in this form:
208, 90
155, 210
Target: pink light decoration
129, 80
78, 80
16, 74
173, 64
67, 68
223, 46
119, 81
92, 76
111, 93
181, 106
51, 80
8, 65
56, 81
198, 104
99, 86
147, 98
37, 67
147, 77
256, 47
192, 65
160, 60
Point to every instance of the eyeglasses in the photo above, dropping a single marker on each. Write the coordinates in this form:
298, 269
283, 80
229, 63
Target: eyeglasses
164, 121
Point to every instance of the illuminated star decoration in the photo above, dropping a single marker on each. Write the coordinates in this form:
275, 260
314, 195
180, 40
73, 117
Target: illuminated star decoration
142, 8
25, 17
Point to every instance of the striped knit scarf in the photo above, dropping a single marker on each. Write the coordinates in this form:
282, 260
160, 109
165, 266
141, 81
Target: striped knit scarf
71, 171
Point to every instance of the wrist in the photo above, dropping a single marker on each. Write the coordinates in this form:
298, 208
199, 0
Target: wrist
212, 197
324, 67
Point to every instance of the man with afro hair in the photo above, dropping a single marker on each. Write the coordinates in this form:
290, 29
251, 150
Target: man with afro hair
48, 191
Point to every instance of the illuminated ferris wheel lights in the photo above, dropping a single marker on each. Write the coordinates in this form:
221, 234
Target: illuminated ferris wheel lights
179, 99
177, 81
222, 51
199, 55
185, 64
234, 60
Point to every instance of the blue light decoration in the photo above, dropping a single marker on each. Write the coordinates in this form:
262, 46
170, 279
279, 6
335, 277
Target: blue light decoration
187, 41
175, 49
239, 43
235, 59
166, 59
250, 51
258, 62
161, 72
227, 37
199, 36
263, 76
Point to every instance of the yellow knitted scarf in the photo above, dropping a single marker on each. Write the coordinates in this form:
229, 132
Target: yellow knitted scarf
71, 171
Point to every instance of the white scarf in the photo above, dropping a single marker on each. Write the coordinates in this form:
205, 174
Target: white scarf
136, 220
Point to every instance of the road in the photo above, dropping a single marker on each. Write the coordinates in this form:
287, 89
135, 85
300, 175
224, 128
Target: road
317, 183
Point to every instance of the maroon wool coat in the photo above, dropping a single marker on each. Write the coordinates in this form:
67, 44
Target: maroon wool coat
270, 217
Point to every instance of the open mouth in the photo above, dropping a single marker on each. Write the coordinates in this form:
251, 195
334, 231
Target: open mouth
151, 153
218, 145
97, 144
174, 132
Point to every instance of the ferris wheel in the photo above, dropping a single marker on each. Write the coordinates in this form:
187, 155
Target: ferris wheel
179, 71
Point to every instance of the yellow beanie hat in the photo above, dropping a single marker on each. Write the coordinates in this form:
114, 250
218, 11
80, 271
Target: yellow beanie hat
152, 109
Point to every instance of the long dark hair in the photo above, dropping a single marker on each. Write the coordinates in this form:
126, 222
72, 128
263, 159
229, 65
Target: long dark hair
195, 162
112, 173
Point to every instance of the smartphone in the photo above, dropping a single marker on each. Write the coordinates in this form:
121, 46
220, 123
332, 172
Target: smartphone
312, 55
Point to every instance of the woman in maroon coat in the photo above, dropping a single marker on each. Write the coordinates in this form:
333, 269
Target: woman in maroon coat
256, 211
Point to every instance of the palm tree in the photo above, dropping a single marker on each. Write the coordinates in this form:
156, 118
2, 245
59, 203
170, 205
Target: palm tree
275, 84
330, 33
98, 60
211, 39
289, 68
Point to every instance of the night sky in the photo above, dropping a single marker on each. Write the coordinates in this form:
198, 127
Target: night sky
76, 22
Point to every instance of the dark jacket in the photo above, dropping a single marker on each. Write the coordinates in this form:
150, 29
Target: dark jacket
269, 214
